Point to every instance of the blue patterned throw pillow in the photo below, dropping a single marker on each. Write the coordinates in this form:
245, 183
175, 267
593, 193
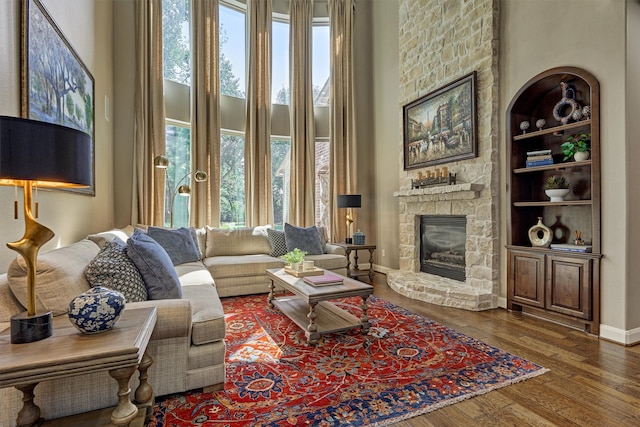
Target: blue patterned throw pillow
113, 269
305, 239
277, 241
179, 243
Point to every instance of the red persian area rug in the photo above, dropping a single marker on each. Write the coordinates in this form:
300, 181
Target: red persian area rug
405, 366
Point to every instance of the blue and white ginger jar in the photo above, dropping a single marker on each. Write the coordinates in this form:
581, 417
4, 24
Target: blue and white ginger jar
96, 310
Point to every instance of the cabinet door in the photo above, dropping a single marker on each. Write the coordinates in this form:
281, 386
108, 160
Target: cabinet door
569, 284
526, 278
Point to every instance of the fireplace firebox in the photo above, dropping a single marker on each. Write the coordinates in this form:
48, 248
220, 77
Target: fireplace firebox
442, 245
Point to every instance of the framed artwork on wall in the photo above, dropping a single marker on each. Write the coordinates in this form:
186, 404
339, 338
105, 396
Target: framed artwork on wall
441, 126
56, 86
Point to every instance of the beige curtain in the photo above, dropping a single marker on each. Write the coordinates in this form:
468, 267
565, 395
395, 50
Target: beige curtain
205, 112
343, 127
303, 157
149, 128
259, 201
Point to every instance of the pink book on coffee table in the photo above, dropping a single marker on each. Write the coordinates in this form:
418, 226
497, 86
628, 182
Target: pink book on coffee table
324, 280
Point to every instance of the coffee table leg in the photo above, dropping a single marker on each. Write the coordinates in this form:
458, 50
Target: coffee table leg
126, 410
270, 297
29, 415
364, 318
312, 330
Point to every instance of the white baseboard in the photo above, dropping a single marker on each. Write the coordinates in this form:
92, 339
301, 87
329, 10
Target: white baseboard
621, 336
381, 269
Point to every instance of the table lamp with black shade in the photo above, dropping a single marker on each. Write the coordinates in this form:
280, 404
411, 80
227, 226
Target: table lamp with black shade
41, 155
349, 201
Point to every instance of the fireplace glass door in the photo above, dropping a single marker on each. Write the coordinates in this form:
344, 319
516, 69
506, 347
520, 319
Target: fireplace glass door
442, 245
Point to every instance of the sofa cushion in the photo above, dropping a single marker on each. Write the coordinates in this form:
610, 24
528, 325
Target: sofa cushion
194, 273
241, 241
241, 266
106, 236
9, 305
59, 276
112, 268
328, 261
305, 239
180, 243
155, 266
277, 242
207, 315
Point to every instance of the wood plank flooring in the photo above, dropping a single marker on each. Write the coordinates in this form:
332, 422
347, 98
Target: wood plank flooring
591, 382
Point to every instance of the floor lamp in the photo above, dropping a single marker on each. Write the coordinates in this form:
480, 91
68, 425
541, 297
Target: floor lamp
41, 155
349, 201
162, 162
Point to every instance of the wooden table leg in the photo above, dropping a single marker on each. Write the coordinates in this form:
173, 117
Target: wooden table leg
29, 415
312, 330
348, 253
270, 297
364, 318
371, 272
126, 410
144, 392
355, 260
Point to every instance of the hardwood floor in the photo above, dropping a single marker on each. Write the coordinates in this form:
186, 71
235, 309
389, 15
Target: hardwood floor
591, 382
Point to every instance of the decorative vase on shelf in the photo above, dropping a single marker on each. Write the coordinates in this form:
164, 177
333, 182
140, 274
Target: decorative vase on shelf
96, 310
358, 238
580, 156
557, 194
540, 235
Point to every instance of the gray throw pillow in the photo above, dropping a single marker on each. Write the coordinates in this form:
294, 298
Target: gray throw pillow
305, 239
178, 243
113, 269
155, 266
277, 241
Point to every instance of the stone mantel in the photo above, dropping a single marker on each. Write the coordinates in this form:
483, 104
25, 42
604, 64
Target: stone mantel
444, 192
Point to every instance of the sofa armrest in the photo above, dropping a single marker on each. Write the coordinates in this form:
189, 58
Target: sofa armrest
334, 249
174, 317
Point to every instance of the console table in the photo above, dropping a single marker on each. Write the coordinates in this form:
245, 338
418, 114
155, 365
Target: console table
356, 272
121, 351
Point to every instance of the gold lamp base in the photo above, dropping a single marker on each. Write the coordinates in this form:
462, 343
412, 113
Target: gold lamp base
30, 326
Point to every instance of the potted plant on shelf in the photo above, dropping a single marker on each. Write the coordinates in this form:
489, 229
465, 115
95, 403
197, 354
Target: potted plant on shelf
294, 259
576, 145
556, 187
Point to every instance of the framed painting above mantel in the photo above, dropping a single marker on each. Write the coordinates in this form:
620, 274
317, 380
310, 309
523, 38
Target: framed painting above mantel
441, 126
56, 86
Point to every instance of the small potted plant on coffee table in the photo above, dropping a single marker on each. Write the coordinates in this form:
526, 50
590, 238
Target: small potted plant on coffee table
556, 187
577, 146
294, 259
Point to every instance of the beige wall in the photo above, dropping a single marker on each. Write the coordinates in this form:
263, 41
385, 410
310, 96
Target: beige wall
386, 122
88, 28
589, 34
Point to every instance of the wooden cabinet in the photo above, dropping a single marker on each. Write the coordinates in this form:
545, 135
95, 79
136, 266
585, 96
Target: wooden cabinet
562, 286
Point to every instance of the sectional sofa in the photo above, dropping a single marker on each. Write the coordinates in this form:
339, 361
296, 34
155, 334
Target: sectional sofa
187, 344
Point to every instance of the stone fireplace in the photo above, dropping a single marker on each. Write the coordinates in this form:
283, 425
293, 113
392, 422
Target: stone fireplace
479, 288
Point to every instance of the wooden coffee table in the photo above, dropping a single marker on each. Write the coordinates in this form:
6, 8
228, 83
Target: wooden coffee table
310, 309
120, 351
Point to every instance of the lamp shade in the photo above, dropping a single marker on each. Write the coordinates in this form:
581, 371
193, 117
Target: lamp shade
49, 155
349, 201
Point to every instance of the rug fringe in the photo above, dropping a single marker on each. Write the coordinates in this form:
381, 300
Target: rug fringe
459, 399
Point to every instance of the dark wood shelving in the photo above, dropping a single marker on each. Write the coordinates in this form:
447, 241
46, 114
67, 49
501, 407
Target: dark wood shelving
551, 283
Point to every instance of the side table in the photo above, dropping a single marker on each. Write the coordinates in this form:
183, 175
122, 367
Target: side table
356, 272
120, 351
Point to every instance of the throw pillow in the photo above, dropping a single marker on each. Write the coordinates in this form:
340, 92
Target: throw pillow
178, 243
155, 266
277, 241
113, 269
305, 239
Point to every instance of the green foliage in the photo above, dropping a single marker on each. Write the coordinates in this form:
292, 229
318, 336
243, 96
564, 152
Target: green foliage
556, 182
294, 256
575, 143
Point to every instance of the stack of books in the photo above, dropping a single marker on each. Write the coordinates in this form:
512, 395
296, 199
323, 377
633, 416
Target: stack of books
539, 158
571, 248
326, 279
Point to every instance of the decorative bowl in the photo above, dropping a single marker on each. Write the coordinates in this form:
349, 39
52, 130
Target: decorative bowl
557, 194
